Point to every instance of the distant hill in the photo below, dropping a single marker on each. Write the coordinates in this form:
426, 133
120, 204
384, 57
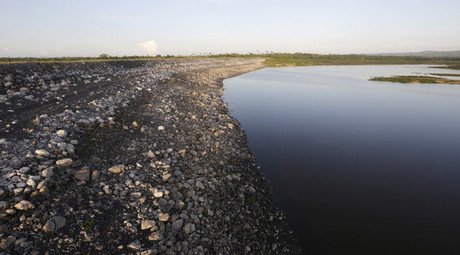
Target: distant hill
439, 54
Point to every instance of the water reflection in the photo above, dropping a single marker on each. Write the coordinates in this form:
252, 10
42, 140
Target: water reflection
359, 167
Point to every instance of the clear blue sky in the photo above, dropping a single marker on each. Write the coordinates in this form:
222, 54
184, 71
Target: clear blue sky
92, 27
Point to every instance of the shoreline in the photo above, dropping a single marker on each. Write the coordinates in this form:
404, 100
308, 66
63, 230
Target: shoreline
145, 160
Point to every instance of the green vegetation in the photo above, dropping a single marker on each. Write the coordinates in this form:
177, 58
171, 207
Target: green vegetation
453, 67
416, 79
446, 74
274, 59
305, 59
87, 224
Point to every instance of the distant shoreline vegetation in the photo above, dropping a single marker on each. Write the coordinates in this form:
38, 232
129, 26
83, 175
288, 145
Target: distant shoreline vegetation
279, 60
416, 80
271, 59
102, 57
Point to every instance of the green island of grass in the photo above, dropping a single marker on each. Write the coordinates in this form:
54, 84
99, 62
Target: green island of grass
453, 67
416, 79
301, 59
446, 74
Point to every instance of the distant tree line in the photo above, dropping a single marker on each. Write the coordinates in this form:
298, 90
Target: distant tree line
273, 58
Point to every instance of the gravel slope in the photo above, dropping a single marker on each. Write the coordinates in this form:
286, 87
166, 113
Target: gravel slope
136, 157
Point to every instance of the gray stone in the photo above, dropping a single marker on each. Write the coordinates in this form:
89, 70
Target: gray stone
6, 242
59, 221
83, 174
49, 226
21, 184
189, 228
95, 175
24, 170
54, 224
199, 185
177, 225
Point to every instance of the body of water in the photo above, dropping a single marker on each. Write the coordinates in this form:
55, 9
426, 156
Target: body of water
359, 167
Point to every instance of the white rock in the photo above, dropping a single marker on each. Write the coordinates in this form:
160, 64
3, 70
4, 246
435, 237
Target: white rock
136, 245
154, 236
147, 224
117, 169
31, 182
163, 217
61, 133
150, 154
42, 153
166, 176
65, 162
48, 172
24, 205
157, 193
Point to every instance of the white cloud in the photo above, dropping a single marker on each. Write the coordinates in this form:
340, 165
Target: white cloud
150, 47
7, 49
44, 53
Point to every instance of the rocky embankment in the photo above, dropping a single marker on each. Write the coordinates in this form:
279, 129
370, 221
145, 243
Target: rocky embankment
134, 157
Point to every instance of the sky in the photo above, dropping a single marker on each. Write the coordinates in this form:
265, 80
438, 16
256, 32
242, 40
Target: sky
57, 28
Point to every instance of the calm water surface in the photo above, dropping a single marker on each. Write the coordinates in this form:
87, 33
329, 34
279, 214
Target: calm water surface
359, 167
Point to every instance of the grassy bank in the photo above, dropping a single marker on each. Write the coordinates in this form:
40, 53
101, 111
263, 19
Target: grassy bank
416, 79
277, 60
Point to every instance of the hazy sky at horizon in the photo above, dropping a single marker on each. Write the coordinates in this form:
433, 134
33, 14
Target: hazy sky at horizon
91, 27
